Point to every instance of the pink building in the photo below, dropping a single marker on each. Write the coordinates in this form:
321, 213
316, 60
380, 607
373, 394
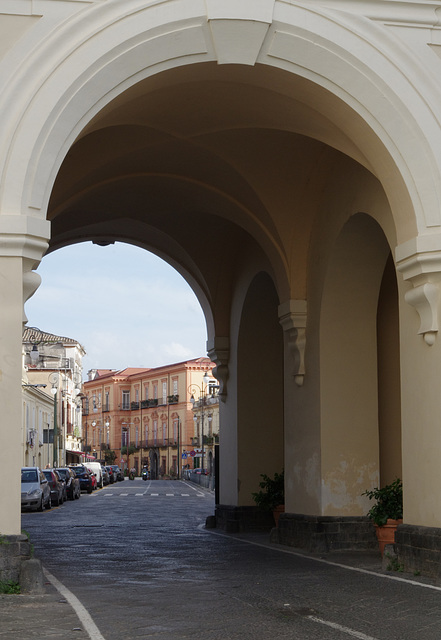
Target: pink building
137, 417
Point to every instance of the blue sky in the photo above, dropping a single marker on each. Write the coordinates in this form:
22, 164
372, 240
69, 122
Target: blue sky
127, 307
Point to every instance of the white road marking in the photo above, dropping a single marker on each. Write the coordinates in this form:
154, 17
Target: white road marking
139, 494
83, 615
123, 494
339, 627
169, 494
154, 494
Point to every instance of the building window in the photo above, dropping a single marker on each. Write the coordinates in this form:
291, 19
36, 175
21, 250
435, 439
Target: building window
126, 400
175, 386
164, 392
48, 436
155, 391
155, 431
175, 431
136, 394
164, 433
107, 407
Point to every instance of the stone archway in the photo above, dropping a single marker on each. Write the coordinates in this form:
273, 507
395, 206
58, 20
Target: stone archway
213, 135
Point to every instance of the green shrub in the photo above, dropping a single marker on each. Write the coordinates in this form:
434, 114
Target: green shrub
389, 503
272, 493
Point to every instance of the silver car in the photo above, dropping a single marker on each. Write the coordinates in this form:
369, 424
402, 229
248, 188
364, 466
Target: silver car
35, 489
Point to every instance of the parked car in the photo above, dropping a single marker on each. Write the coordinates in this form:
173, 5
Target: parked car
112, 477
56, 486
93, 478
119, 474
84, 477
106, 478
97, 470
63, 484
71, 481
35, 490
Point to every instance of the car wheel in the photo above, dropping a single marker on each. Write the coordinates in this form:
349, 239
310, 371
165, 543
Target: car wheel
49, 503
41, 505
89, 489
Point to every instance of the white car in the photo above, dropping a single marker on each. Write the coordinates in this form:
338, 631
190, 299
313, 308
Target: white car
95, 467
35, 489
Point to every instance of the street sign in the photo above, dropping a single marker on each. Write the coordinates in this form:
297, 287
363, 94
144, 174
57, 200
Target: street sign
184, 456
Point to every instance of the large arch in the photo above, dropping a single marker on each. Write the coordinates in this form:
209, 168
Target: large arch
234, 139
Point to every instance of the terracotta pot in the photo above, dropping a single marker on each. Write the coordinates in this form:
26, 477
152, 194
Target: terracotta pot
386, 533
276, 513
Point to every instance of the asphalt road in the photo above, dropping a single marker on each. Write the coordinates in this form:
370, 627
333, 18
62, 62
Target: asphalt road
137, 557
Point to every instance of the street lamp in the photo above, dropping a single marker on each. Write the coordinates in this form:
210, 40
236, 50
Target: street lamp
100, 427
202, 395
54, 380
125, 428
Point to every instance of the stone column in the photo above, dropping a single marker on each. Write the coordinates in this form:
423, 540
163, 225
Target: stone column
23, 241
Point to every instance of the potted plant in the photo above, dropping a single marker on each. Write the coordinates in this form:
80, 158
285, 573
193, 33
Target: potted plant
387, 513
271, 496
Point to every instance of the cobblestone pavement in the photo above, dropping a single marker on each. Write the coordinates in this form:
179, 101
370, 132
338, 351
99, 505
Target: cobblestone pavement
135, 562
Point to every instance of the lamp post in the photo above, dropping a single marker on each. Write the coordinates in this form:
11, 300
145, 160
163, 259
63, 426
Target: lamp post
125, 427
54, 379
100, 427
202, 395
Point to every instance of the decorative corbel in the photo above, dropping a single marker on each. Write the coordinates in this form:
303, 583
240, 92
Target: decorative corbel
31, 282
219, 353
419, 260
424, 299
292, 317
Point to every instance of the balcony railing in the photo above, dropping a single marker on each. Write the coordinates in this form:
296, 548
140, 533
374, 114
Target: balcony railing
159, 442
153, 402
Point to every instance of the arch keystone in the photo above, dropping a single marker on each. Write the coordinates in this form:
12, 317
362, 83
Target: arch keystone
239, 28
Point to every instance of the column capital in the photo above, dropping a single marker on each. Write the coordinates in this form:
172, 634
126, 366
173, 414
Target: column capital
23, 236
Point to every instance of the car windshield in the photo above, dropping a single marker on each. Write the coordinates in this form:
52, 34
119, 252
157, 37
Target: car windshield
79, 470
63, 473
48, 474
29, 476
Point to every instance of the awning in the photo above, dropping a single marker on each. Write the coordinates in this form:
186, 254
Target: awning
81, 453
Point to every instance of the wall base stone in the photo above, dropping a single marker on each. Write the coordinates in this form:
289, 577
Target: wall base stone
235, 519
318, 534
419, 550
13, 551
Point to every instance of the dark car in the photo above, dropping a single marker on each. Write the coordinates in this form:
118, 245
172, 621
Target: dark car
106, 478
71, 481
93, 477
56, 486
35, 490
117, 471
84, 477
112, 476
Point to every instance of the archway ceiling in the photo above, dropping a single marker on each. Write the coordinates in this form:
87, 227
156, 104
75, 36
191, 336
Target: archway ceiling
198, 163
